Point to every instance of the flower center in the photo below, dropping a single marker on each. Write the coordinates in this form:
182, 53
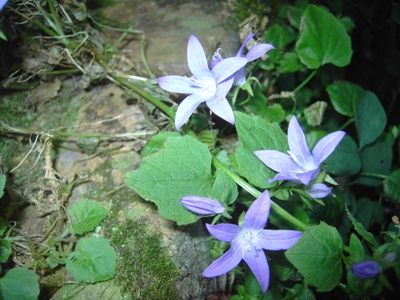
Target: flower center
248, 240
208, 87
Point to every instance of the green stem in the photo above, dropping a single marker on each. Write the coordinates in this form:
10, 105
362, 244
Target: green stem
55, 18
249, 188
301, 85
375, 175
347, 123
146, 65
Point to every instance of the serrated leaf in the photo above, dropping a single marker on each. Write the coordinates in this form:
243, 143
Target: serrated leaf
391, 185
93, 260
86, 215
356, 248
344, 96
181, 167
2, 184
317, 256
361, 230
224, 188
345, 160
370, 118
156, 142
375, 158
19, 284
254, 134
323, 40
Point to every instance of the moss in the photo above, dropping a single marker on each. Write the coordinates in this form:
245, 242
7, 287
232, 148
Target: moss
144, 269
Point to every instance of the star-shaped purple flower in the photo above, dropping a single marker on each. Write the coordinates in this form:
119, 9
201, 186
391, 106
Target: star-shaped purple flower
249, 240
255, 52
299, 164
210, 86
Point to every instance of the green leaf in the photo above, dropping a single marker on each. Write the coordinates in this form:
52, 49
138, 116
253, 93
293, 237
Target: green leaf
3, 226
344, 96
375, 159
361, 230
182, 167
391, 185
290, 63
5, 250
317, 256
94, 260
315, 112
254, 134
279, 36
224, 188
356, 248
2, 184
370, 118
157, 141
323, 40
345, 160
19, 284
86, 215
364, 211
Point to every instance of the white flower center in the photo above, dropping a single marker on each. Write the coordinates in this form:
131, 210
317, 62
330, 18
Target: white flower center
248, 239
208, 87
304, 165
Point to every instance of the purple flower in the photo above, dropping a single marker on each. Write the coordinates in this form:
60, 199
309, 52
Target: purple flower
319, 190
201, 205
3, 3
249, 240
366, 269
299, 164
255, 52
210, 86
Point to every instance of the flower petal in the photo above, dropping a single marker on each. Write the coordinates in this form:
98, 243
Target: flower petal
186, 108
240, 77
227, 68
258, 50
306, 177
225, 263
274, 240
284, 176
178, 84
248, 38
202, 205
197, 60
319, 190
224, 232
257, 215
366, 269
326, 145
277, 161
298, 145
258, 264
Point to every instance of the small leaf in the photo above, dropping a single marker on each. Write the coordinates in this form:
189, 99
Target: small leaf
224, 188
391, 185
279, 36
376, 159
157, 141
315, 112
317, 256
364, 211
361, 230
2, 184
94, 260
344, 96
323, 40
254, 134
181, 167
370, 118
345, 160
290, 63
86, 215
5, 250
356, 248
19, 284
3, 226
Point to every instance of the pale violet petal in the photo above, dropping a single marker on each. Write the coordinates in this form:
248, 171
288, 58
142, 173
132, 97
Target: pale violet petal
224, 232
226, 262
248, 38
366, 269
307, 176
227, 68
275, 240
178, 84
284, 176
258, 264
197, 60
258, 50
186, 108
240, 77
257, 215
298, 146
222, 109
319, 190
277, 161
326, 145
202, 205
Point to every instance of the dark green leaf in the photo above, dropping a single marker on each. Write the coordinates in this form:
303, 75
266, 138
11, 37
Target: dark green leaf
317, 256
290, 63
279, 36
19, 284
2, 184
361, 230
224, 188
356, 248
5, 250
392, 185
364, 211
257, 134
94, 260
344, 97
181, 167
323, 39
370, 118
